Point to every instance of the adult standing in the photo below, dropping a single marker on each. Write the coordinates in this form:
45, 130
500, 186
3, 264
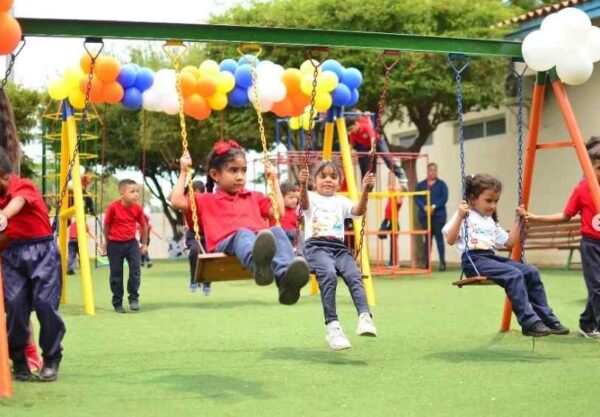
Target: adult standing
438, 198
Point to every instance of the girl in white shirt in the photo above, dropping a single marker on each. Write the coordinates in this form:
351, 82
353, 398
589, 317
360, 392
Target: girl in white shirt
521, 282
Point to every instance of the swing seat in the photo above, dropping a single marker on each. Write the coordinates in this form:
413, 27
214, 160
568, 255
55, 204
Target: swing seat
477, 280
218, 267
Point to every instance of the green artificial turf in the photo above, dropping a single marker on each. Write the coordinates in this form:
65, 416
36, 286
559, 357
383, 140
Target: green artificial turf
240, 353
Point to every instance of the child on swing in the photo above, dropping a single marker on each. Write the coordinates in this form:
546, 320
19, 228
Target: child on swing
233, 220
522, 282
325, 251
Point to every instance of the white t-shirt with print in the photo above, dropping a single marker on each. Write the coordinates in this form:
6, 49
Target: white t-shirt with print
484, 233
325, 215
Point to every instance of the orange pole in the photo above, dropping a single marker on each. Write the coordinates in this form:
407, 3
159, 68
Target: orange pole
5, 379
528, 165
584, 160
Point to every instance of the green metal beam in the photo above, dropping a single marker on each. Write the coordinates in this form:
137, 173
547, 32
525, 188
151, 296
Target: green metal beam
268, 36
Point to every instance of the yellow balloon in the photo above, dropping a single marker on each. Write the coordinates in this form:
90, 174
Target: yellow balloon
209, 67
217, 101
294, 123
327, 81
225, 82
71, 78
77, 99
305, 122
323, 101
58, 90
308, 68
192, 70
306, 84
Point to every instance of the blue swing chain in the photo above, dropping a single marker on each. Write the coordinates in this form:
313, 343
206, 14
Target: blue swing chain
461, 140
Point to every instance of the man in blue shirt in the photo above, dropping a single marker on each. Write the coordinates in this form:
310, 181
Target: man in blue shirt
439, 197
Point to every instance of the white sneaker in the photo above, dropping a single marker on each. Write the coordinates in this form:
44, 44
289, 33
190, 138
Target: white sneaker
366, 327
336, 338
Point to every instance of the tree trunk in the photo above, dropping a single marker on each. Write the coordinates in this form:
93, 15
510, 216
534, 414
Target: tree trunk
174, 217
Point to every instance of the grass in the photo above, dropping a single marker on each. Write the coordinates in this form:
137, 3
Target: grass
239, 353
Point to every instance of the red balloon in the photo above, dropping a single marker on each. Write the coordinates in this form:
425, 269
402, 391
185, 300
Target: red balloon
6, 5
10, 33
284, 108
299, 103
196, 106
112, 93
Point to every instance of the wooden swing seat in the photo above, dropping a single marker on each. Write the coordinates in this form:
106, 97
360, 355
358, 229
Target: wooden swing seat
218, 267
477, 280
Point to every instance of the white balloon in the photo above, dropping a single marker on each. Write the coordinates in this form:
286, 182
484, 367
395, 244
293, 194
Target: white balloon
265, 106
164, 80
150, 100
551, 24
278, 91
539, 51
575, 70
170, 104
574, 27
264, 66
593, 45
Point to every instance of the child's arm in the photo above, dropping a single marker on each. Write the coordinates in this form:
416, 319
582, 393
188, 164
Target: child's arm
144, 238
515, 232
272, 176
359, 208
103, 251
13, 207
303, 180
454, 229
177, 197
546, 218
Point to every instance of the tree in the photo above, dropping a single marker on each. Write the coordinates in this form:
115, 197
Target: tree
527, 5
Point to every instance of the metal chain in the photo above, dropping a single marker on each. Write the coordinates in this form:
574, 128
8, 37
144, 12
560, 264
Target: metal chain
261, 128
144, 123
378, 132
11, 63
82, 123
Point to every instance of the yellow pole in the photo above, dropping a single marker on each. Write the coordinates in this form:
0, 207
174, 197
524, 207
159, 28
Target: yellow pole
353, 192
328, 141
63, 226
84, 257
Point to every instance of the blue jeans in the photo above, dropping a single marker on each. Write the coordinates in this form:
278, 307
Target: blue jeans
241, 243
522, 283
437, 224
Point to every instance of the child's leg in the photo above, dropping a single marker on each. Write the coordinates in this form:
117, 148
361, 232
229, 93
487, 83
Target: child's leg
284, 253
321, 262
346, 266
536, 292
192, 245
116, 255
436, 231
240, 245
73, 249
133, 256
509, 278
590, 261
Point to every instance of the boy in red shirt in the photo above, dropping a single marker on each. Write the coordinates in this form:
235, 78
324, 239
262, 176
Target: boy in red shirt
289, 220
31, 271
119, 231
581, 202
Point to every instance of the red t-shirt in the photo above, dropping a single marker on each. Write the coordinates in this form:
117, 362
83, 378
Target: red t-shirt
189, 220
362, 136
122, 220
32, 221
138, 227
223, 214
388, 209
289, 221
581, 201
73, 230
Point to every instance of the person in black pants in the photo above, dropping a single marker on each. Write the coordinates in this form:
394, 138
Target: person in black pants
192, 244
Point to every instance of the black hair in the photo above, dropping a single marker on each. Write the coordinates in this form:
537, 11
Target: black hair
594, 153
592, 142
9, 140
328, 164
287, 187
477, 184
124, 183
198, 186
5, 163
218, 161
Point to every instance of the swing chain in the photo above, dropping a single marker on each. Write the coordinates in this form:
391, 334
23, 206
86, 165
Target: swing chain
256, 51
84, 118
378, 133
11, 63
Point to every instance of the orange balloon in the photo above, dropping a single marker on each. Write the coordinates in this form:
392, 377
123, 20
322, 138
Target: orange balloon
85, 63
5, 5
112, 93
96, 88
299, 103
107, 69
291, 78
207, 86
10, 34
196, 106
188, 83
284, 108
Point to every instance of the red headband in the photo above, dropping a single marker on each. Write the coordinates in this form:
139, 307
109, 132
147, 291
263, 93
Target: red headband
224, 146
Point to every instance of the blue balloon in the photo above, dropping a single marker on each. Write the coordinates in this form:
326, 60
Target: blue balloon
341, 95
243, 76
136, 66
333, 65
127, 76
238, 97
248, 59
144, 79
352, 78
132, 99
354, 98
229, 65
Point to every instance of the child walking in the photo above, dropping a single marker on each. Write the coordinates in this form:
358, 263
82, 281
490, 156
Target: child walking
119, 231
581, 202
325, 251
233, 221
522, 282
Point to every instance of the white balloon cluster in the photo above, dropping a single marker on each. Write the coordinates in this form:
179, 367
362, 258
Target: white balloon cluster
566, 40
271, 88
162, 96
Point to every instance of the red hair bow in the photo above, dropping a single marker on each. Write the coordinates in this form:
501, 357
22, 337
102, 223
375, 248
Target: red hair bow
224, 146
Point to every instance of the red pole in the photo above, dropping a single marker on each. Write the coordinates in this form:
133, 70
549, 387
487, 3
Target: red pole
5, 379
532, 138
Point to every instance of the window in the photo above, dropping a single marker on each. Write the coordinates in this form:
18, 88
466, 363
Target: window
407, 139
484, 129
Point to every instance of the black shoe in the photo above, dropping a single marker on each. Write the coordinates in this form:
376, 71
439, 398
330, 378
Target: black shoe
149, 264
134, 305
537, 329
21, 372
70, 272
49, 372
557, 328
263, 253
442, 266
292, 281
119, 309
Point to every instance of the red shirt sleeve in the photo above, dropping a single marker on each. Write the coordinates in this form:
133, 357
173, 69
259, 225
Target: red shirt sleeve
574, 204
141, 218
108, 216
264, 204
25, 190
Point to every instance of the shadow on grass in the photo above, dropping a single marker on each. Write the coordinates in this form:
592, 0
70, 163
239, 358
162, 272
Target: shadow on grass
483, 355
151, 306
312, 356
219, 388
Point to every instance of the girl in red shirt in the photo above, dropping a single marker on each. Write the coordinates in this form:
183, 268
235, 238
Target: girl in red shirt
233, 220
